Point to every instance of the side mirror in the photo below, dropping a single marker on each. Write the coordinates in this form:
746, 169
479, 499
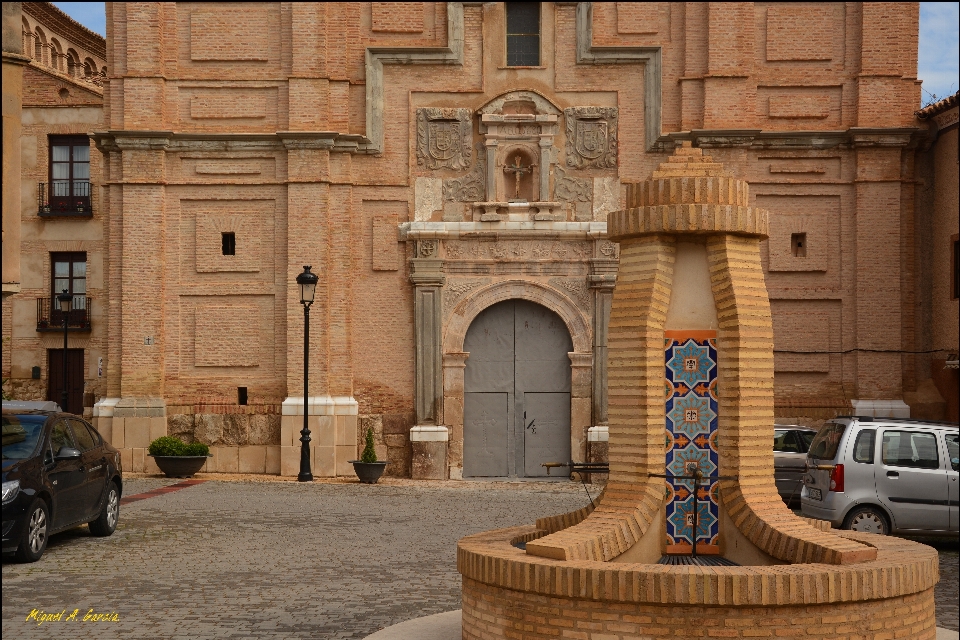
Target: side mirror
68, 453
955, 463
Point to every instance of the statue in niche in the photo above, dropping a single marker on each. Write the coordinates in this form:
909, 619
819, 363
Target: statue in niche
591, 137
444, 138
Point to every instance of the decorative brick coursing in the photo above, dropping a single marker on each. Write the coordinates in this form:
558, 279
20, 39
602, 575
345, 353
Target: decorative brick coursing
492, 612
902, 568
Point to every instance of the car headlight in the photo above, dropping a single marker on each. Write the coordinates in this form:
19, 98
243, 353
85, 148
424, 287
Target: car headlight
10, 490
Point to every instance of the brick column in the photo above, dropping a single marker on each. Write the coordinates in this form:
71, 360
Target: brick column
878, 294
308, 201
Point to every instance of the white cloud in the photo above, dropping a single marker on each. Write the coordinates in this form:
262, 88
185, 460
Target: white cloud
939, 59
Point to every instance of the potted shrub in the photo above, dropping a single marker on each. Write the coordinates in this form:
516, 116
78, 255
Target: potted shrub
368, 468
178, 459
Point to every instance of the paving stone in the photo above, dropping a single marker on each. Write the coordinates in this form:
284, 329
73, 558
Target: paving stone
269, 560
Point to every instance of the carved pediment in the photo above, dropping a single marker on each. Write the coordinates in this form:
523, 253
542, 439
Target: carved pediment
516, 103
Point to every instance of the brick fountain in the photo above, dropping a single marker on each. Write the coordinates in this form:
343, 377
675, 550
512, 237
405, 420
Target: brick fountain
691, 391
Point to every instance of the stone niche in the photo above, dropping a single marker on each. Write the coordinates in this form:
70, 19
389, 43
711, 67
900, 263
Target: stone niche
518, 130
533, 162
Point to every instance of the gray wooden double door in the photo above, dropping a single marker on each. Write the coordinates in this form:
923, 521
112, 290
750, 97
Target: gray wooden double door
516, 412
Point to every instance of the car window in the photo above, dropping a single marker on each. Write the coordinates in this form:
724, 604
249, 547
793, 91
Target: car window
953, 450
82, 436
806, 438
60, 437
785, 441
827, 440
21, 435
910, 449
863, 447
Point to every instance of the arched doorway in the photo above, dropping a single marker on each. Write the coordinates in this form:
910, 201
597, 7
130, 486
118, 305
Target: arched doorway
516, 412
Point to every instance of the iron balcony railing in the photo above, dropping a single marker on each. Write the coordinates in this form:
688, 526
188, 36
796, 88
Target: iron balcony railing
50, 317
64, 198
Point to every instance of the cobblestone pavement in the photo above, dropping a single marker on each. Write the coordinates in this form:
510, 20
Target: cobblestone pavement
269, 559
286, 560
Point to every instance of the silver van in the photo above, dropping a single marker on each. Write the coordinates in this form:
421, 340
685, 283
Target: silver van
884, 475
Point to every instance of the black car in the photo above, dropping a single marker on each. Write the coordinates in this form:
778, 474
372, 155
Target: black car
58, 473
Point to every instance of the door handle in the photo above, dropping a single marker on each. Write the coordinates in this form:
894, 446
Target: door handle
893, 474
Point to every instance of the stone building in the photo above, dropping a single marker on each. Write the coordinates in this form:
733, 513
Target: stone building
447, 170
55, 196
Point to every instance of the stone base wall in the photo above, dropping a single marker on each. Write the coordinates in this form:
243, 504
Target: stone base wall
492, 612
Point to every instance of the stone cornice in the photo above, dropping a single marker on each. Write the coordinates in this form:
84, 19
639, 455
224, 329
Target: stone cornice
502, 230
15, 58
114, 140
760, 139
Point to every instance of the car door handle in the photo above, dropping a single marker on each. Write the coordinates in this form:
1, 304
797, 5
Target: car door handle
893, 474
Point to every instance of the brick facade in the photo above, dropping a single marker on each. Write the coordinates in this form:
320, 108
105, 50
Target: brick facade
62, 94
298, 128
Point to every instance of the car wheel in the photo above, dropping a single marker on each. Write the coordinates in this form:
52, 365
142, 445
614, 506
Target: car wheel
867, 520
106, 522
34, 541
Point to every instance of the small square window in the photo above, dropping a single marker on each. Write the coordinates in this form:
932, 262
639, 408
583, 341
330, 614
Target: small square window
228, 243
798, 245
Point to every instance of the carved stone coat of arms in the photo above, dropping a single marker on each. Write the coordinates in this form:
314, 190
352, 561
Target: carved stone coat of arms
444, 138
591, 137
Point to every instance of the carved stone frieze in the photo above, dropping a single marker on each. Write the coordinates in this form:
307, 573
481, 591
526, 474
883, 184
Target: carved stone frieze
576, 288
508, 250
444, 138
591, 137
453, 291
569, 189
471, 187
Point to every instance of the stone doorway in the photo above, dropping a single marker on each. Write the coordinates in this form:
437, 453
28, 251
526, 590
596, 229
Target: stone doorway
516, 391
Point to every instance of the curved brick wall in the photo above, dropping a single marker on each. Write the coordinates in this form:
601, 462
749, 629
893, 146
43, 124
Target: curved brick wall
509, 594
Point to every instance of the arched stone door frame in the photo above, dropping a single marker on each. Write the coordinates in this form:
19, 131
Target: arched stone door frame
455, 359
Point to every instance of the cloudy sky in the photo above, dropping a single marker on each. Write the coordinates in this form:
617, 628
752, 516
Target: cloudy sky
939, 65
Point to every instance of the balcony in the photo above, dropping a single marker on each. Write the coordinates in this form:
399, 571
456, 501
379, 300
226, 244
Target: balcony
57, 199
50, 317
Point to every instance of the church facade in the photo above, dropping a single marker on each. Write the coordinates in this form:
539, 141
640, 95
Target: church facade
447, 169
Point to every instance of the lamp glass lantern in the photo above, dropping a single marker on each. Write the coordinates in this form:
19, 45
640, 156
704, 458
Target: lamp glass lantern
66, 301
308, 285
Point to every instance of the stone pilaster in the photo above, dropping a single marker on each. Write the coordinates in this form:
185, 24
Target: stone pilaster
602, 279
426, 273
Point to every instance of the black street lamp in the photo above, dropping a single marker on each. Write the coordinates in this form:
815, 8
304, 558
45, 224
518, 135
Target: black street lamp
66, 303
308, 288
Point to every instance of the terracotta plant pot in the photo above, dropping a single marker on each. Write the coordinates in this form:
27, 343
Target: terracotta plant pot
368, 472
180, 466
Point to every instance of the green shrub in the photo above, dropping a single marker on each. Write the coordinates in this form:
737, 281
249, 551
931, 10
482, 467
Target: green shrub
170, 446
196, 449
369, 454
167, 446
